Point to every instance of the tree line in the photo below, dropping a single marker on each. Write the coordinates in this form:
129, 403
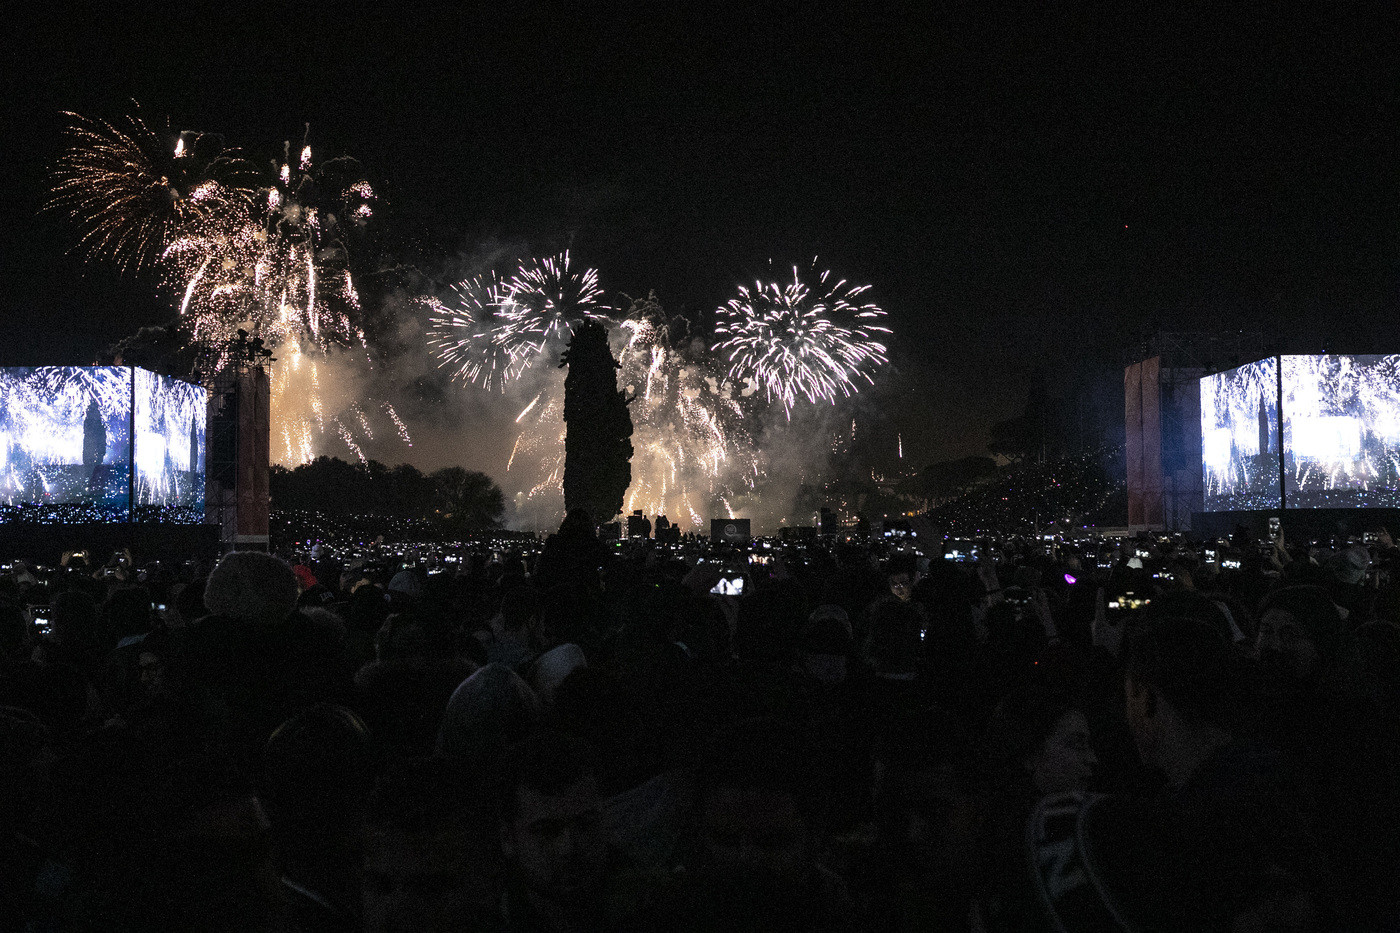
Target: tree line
453, 498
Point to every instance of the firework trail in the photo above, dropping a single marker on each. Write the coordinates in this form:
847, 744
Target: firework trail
539, 448
802, 341
398, 423
692, 445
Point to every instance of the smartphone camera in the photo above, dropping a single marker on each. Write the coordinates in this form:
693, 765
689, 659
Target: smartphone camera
728, 586
1128, 601
42, 617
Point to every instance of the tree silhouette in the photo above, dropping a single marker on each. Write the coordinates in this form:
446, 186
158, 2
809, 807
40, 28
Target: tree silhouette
597, 440
949, 478
94, 436
469, 501
456, 500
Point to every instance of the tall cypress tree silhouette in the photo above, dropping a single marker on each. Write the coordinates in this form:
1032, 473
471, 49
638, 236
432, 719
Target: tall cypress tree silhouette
597, 438
94, 436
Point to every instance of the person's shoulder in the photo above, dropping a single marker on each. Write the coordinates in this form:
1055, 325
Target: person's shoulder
207, 628
1245, 776
213, 635
1241, 759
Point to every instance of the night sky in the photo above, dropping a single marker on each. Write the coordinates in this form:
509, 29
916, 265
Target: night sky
1028, 192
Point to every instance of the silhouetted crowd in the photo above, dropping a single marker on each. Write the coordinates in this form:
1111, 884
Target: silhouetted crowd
837, 734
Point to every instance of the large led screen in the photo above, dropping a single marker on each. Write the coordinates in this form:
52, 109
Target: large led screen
1240, 437
169, 426
1341, 431
65, 443
69, 436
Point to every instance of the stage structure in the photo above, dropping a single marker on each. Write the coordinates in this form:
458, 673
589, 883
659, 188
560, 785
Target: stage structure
1162, 416
100, 444
240, 424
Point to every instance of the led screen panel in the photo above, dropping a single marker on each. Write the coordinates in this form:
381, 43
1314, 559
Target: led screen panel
1341, 431
170, 435
65, 443
1240, 437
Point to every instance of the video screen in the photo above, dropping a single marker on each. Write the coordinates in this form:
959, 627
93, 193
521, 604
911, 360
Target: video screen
170, 436
1240, 437
65, 443
1341, 431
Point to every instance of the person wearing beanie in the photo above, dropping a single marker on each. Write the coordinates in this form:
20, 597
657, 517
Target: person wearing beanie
255, 660
405, 586
490, 711
253, 587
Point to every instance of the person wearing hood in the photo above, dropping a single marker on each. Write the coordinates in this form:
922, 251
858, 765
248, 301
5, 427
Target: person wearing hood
1301, 635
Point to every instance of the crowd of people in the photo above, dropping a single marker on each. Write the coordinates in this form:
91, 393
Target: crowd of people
842, 733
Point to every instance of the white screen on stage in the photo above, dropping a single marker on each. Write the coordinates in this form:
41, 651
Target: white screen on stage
1239, 437
1341, 431
170, 436
65, 435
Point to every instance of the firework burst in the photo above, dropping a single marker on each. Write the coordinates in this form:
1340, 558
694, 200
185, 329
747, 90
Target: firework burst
277, 266
473, 337
265, 253
543, 301
131, 192
692, 448
802, 341
492, 329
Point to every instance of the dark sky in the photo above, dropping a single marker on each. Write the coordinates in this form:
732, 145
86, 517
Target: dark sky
1036, 189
